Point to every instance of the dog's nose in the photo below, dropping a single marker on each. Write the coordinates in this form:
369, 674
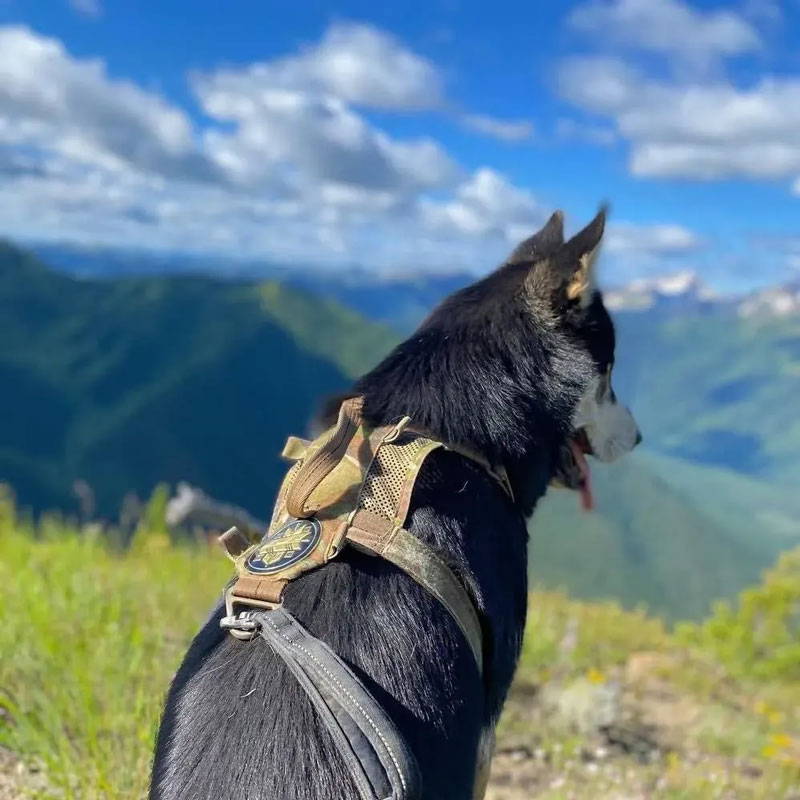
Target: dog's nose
638, 438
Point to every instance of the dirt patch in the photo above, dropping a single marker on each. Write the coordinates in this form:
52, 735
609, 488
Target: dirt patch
637, 733
17, 781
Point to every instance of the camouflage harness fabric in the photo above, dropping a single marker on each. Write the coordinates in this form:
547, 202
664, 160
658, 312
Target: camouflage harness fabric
352, 486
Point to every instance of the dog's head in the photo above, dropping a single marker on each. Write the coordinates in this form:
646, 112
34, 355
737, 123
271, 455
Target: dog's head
560, 286
517, 366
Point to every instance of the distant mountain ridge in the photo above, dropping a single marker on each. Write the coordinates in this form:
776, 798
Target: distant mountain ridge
402, 299
399, 300
778, 301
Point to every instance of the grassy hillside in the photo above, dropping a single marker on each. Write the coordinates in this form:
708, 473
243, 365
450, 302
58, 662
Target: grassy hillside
607, 703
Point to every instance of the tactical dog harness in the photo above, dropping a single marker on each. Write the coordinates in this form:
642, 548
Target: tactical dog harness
351, 486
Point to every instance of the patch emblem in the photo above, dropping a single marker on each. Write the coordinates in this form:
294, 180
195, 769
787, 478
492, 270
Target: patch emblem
288, 545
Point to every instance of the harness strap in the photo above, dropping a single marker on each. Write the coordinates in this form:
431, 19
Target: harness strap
377, 757
421, 563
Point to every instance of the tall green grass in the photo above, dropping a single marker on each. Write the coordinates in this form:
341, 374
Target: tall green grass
91, 634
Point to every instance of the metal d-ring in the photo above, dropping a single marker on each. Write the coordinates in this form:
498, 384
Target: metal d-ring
242, 625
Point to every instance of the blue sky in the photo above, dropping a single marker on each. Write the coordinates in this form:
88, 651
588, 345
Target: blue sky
416, 136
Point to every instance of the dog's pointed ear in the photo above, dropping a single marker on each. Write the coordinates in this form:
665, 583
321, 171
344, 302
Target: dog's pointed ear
568, 275
542, 243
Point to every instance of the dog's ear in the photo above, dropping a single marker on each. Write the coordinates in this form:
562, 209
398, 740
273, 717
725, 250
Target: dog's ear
568, 275
543, 243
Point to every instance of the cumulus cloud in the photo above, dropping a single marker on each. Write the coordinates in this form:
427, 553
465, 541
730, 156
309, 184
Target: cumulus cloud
295, 120
356, 63
704, 131
669, 27
572, 130
650, 240
310, 137
648, 249
485, 204
286, 165
694, 124
53, 102
87, 8
505, 130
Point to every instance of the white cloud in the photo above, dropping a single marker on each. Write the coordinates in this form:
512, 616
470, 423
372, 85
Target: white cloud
704, 131
650, 240
88, 8
697, 124
485, 204
356, 63
307, 138
287, 168
53, 102
670, 27
295, 120
636, 250
505, 130
571, 130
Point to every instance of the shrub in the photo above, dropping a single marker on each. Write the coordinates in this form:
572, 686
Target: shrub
759, 636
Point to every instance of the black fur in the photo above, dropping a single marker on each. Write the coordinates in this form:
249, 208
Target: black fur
498, 367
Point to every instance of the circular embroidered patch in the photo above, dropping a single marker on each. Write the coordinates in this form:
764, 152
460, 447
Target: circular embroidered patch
289, 544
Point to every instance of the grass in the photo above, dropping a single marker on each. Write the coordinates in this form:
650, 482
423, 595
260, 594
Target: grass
93, 632
91, 636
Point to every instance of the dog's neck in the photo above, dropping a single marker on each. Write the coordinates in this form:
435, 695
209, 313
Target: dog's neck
510, 398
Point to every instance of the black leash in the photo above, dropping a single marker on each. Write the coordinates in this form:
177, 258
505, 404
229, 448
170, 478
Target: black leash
377, 757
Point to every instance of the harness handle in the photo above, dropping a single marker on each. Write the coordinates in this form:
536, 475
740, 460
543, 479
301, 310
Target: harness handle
316, 467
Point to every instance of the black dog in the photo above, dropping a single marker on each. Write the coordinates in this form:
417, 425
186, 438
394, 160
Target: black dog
516, 367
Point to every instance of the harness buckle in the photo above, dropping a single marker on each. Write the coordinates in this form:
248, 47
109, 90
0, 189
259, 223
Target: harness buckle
241, 625
243, 621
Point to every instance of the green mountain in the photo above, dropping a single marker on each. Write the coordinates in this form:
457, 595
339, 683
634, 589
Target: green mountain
125, 383
668, 534
716, 389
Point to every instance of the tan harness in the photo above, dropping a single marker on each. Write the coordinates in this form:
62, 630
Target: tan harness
352, 485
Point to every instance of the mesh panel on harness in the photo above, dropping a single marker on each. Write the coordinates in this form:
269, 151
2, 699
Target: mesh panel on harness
387, 475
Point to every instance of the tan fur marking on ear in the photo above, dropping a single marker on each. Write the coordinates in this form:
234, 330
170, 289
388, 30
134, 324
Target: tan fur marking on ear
583, 280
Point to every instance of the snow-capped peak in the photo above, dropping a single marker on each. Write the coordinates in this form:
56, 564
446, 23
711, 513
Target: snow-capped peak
776, 301
683, 289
